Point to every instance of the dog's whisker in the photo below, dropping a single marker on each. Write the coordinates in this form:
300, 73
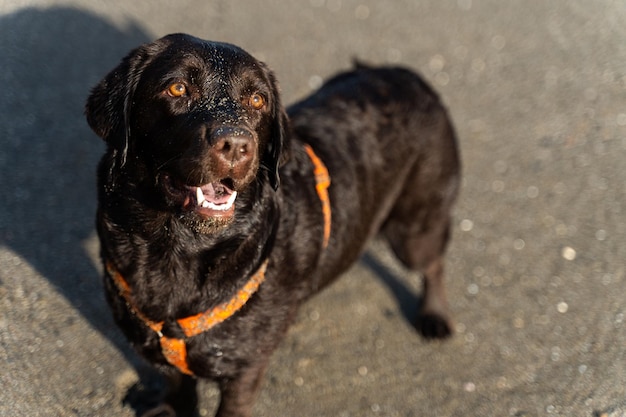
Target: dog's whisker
173, 158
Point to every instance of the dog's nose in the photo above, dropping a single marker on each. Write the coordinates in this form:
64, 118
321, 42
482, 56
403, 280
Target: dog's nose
233, 145
232, 148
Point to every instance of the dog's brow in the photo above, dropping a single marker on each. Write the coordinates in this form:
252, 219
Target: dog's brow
185, 71
176, 74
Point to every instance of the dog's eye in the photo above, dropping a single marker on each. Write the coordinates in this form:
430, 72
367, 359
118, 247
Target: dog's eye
177, 90
256, 101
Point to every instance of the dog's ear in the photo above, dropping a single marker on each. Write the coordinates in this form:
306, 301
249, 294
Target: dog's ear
109, 104
277, 152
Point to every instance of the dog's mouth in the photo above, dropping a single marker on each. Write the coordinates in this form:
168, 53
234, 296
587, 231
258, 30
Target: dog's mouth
212, 200
215, 196
216, 199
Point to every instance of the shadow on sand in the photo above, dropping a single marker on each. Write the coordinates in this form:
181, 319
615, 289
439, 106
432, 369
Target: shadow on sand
51, 58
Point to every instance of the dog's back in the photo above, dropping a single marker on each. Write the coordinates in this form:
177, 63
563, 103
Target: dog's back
391, 153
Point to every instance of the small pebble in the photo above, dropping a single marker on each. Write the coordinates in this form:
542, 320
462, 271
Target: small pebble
315, 82
569, 253
532, 192
437, 63
469, 387
472, 289
466, 225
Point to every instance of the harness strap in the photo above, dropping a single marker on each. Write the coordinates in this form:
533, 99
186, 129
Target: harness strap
174, 349
322, 182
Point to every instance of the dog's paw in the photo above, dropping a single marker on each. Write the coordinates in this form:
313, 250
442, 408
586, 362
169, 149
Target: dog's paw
434, 326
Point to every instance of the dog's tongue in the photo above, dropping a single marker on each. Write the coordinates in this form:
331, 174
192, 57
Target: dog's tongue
215, 196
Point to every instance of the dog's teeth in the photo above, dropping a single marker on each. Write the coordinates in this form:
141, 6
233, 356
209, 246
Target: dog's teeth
231, 199
200, 196
221, 207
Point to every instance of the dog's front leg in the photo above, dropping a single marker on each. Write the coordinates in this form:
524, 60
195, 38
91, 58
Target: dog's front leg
238, 394
179, 400
182, 395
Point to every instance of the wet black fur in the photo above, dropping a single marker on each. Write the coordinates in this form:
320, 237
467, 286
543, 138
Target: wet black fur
384, 137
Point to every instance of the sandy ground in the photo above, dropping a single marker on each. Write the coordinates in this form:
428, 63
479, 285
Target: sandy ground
536, 269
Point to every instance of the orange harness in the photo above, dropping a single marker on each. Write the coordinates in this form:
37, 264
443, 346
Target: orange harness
174, 349
322, 182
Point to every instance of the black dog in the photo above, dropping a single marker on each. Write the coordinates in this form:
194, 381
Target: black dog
220, 213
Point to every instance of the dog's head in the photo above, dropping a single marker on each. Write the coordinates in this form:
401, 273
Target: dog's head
202, 119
